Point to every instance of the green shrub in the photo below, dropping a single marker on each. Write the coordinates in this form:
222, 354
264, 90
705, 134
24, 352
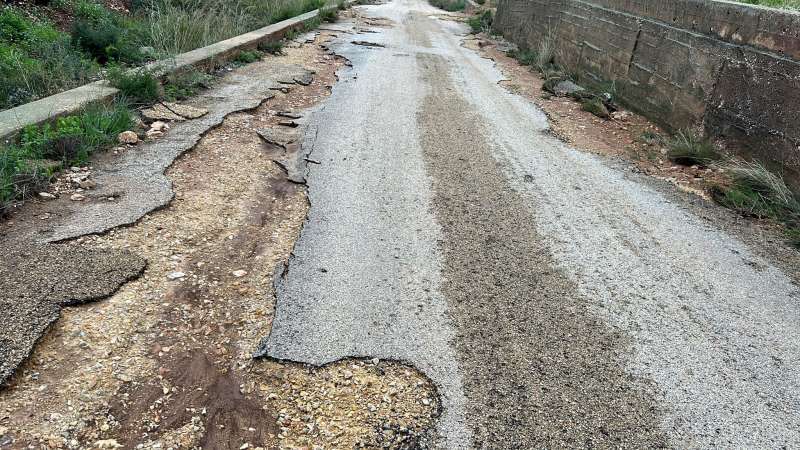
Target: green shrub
137, 86
36, 60
186, 83
248, 56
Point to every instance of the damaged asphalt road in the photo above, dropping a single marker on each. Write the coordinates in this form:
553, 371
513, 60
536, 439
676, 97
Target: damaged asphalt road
554, 298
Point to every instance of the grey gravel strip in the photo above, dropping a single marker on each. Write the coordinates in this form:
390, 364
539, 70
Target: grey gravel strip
363, 280
541, 370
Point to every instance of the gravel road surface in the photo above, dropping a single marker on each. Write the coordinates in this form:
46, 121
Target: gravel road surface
555, 298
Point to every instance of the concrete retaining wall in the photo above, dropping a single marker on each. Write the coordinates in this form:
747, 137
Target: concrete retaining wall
733, 68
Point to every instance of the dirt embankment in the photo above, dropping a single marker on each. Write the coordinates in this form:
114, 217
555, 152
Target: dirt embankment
166, 362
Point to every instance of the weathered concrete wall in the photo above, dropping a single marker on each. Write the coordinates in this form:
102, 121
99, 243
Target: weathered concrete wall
733, 68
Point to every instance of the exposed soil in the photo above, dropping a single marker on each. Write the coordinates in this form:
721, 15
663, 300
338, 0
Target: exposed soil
166, 362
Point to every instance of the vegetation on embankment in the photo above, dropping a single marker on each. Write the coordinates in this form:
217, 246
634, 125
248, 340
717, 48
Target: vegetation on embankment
449, 5
48, 49
28, 164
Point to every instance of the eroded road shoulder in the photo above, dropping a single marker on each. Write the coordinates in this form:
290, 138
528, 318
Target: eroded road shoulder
166, 362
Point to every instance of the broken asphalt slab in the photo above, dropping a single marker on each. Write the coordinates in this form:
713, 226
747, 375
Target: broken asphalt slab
36, 281
137, 179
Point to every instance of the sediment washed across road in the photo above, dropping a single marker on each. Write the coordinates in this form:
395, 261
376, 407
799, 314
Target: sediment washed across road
555, 298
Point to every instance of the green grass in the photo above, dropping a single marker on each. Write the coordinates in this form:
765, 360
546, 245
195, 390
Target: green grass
449, 5
328, 15
37, 60
271, 47
138, 86
760, 193
481, 22
595, 106
186, 83
688, 148
248, 56
27, 166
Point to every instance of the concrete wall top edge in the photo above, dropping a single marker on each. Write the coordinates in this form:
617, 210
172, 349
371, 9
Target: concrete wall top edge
772, 29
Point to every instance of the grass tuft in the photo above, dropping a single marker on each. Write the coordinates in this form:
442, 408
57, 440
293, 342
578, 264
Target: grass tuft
688, 149
186, 83
760, 193
248, 56
595, 106
139, 86
271, 47
449, 5
481, 22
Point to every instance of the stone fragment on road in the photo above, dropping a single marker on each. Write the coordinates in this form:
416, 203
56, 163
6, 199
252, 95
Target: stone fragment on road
128, 137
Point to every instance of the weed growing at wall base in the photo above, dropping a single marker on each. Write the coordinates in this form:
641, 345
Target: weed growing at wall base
758, 192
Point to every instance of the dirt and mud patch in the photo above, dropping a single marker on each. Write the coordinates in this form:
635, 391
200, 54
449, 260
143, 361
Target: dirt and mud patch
167, 360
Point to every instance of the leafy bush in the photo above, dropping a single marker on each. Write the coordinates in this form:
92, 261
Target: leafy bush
688, 148
138, 86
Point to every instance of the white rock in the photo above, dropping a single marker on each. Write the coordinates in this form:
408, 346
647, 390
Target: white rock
128, 137
176, 275
47, 195
107, 443
239, 273
77, 197
159, 126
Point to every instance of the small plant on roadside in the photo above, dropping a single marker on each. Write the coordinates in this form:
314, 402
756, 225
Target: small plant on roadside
186, 83
271, 47
328, 14
793, 234
481, 22
689, 148
651, 138
760, 193
449, 5
138, 86
595, 106
248, 56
